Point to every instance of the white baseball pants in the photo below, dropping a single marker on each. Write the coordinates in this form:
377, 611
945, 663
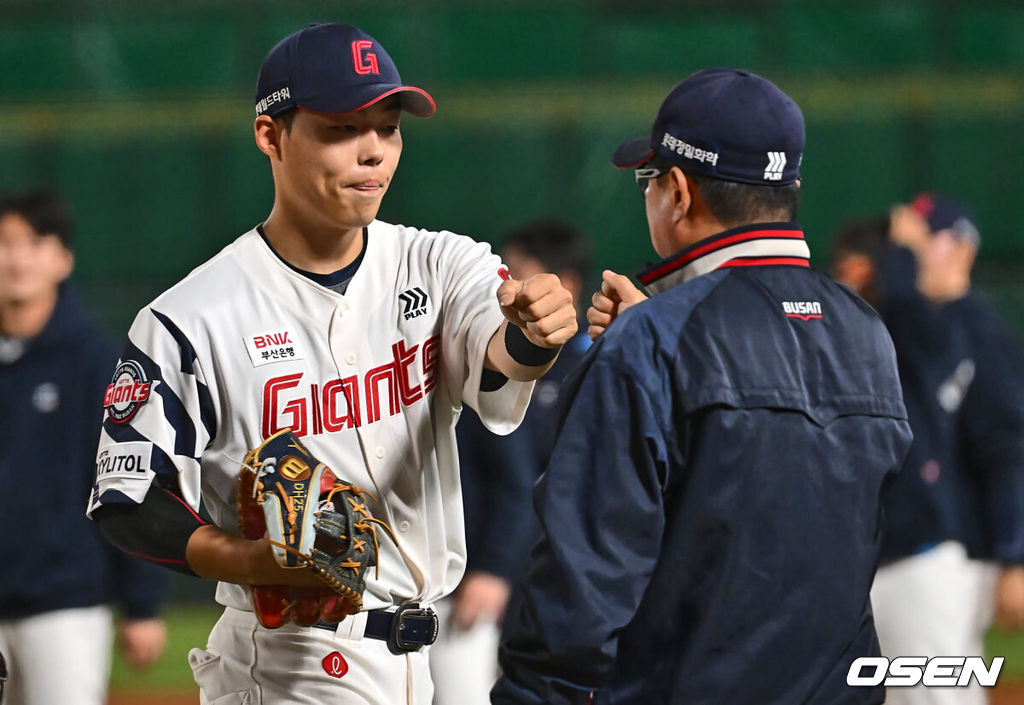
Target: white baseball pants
247, 664
936, 603
58, 657
464, 663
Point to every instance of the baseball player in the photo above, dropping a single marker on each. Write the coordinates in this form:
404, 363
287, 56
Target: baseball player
715, 540
957, 506
364, 339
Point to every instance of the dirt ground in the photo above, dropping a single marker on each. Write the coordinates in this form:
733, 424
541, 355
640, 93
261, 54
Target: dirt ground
1004, 694
1008, 694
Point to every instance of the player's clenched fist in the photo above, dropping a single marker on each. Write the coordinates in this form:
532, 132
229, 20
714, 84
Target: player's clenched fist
617, 293
541, 307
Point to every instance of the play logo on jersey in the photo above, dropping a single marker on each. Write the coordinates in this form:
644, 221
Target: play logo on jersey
414, 302
128, 390
272, 346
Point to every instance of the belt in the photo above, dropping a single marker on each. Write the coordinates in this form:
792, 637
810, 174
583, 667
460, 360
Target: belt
408, 628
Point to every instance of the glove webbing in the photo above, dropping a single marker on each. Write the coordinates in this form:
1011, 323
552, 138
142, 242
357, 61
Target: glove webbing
362, 525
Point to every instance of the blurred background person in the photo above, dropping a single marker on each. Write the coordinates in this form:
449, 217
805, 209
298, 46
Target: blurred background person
60, 578
956, 510
498, 473
996, 438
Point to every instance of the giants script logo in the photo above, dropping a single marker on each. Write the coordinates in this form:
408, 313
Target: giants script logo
127, 391
364, 65
337, 404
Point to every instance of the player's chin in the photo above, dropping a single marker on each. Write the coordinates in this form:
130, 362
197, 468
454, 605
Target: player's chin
359, 213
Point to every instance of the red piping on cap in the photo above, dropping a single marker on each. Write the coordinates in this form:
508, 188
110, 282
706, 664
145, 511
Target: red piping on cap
382, 96
634, 165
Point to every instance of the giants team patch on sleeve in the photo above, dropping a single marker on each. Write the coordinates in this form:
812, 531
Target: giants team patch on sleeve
272, 346
128, 390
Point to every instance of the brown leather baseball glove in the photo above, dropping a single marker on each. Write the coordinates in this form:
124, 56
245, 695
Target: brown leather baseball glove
314, 521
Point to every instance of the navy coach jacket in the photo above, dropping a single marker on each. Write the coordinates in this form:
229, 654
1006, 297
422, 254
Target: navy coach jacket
711, 512
51, 403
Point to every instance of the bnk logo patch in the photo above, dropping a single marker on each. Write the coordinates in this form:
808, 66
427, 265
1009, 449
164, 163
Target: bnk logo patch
127, 391
274, 345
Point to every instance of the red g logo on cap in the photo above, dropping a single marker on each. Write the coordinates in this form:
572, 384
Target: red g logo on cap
364, 65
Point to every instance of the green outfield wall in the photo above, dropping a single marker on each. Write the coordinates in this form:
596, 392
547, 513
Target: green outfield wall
141, 113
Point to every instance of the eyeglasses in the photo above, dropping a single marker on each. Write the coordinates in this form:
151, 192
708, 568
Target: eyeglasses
646, 173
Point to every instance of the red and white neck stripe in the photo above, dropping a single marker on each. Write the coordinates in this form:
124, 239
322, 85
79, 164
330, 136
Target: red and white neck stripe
765, 244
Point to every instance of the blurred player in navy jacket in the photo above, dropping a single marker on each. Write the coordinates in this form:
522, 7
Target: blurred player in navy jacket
710, 514
957, 505
59, 577
498, 474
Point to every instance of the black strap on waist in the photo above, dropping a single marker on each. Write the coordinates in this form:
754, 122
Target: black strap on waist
407, 629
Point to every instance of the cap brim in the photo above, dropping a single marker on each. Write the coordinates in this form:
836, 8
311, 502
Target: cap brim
414, 101
632, 153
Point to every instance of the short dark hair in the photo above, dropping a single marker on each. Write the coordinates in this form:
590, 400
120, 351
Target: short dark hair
735, 204
557, 245
44, 210
867, 235
286, 119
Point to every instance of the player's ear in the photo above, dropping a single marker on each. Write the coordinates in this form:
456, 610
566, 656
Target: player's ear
65, 264
268, 136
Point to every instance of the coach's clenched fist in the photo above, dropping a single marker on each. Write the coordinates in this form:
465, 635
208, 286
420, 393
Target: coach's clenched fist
617, 293
540, 318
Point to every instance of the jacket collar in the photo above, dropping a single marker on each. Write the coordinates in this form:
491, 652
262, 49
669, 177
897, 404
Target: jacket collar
746, 246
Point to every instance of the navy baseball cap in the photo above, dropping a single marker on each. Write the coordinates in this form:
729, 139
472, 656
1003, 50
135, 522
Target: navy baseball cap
724, 123
946, 214
332, 69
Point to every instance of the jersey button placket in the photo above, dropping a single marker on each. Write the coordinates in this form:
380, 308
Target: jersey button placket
342, 313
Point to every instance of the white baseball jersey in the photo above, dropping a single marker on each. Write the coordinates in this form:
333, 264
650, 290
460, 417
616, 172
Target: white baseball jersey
372, 380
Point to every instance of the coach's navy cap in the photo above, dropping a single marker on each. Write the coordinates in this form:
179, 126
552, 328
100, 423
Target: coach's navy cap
943, 213
728, 124
332, 69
